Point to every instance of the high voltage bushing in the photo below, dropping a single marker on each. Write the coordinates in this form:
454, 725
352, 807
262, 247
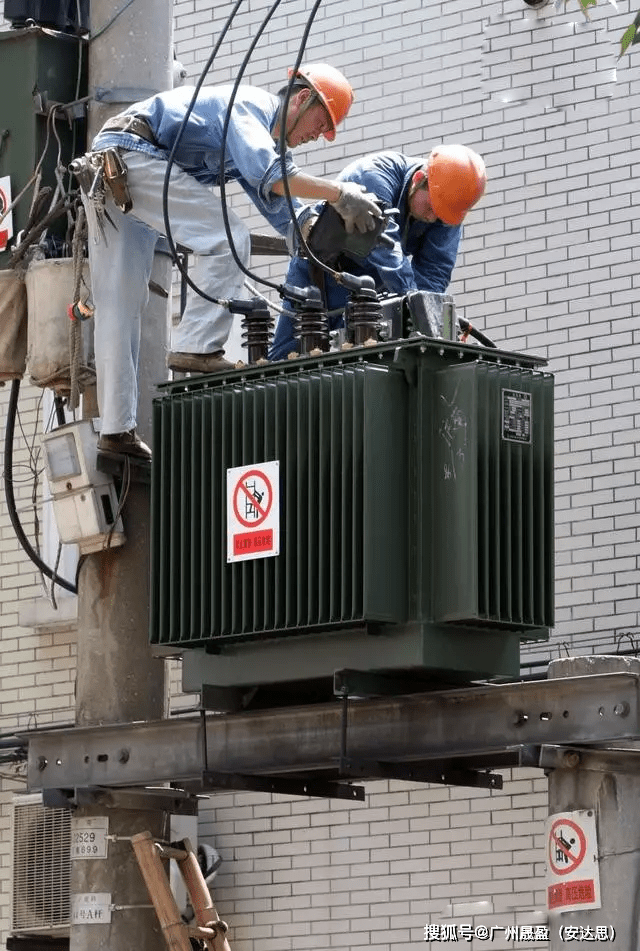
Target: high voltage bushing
257, 325
363, 314
311, 327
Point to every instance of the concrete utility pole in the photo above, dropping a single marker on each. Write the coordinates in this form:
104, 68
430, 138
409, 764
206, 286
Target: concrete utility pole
606, 782
118, 680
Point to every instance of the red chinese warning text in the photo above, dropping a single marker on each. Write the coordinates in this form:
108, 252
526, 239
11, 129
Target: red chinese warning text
571, 893
249, 542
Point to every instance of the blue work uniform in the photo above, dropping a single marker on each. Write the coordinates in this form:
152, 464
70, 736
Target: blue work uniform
122, 259
422, 257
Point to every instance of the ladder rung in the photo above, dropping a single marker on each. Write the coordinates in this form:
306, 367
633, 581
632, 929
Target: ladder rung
149, 853
199, 932
169, 852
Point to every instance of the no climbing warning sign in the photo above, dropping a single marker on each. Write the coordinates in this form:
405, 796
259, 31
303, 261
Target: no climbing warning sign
6, 225
253, 511
573, 880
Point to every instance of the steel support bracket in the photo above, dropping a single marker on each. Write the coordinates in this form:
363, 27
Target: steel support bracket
287, 786
177, 802
442, 773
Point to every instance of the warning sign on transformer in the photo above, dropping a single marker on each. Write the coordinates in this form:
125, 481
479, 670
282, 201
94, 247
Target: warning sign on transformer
253, 511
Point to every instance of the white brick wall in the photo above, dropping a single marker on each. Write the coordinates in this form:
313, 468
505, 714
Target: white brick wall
317, 873
548, 265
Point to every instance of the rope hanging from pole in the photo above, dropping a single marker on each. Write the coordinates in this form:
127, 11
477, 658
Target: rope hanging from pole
76, 311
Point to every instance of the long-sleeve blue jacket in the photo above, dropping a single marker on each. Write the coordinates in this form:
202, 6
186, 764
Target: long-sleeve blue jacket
252, 157
422, 257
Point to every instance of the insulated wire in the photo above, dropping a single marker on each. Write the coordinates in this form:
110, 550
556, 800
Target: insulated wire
10, 496
103, 29
34, 177
182, 269
277, 308
263, 297
285, 177
50, 126
165, 188
225, 129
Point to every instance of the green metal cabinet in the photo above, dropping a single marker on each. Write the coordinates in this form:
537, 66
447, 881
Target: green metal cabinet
38, 68
416, 515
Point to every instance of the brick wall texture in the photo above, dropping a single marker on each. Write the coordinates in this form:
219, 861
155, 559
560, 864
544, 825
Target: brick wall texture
548, 266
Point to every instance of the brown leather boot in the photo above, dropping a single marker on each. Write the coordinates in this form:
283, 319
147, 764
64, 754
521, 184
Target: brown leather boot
125, 444
199, 362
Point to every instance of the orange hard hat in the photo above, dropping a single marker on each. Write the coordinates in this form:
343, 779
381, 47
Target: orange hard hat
333, 90
456, 180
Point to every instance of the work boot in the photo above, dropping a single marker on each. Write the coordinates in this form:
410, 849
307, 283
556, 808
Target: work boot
199, 362
125, 444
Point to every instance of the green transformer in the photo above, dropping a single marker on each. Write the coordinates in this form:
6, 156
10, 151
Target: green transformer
396, 503
39, 69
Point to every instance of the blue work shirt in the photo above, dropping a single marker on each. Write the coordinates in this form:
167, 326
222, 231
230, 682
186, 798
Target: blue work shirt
252, 157
422, 257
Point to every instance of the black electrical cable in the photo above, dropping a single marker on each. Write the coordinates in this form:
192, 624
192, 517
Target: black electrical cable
171, 158
12, 411
182, 269
223, 148
58, 405
467, 328
282, 146
282, 143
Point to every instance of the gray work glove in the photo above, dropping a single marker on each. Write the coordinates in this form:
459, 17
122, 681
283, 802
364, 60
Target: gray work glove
357, 207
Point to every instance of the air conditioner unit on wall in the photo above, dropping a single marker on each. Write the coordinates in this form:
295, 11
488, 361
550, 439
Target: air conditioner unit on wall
41, 867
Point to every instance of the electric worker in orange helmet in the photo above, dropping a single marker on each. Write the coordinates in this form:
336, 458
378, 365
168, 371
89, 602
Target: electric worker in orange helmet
121, 251
432, 195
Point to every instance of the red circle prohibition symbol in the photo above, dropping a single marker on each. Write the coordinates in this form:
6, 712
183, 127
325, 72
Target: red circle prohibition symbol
556, 841
262, 507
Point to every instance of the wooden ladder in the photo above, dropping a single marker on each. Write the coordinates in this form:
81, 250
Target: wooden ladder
209, 928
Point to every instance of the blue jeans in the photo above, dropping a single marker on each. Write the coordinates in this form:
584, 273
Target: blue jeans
120, 270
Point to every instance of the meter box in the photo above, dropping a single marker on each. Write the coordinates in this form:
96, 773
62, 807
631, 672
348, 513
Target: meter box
410, 529
38, 68
85, 502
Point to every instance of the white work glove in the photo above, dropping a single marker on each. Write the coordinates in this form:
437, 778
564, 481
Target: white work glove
357, 207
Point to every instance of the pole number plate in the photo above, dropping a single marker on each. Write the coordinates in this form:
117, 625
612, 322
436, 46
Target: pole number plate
89, 837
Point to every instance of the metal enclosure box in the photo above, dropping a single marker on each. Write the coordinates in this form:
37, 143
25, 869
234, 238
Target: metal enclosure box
85, 501
38, 69
416, 516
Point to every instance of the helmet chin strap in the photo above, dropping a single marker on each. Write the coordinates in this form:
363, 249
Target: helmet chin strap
310, 101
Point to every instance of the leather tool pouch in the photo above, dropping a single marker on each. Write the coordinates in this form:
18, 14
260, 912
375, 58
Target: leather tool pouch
115, 174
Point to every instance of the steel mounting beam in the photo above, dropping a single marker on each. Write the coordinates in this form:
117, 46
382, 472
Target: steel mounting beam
480, 722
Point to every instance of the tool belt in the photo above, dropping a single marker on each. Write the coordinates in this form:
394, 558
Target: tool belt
134, 125
97, 169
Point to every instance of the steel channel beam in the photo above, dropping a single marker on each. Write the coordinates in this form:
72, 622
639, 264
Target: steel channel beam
616, 760
476, 722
